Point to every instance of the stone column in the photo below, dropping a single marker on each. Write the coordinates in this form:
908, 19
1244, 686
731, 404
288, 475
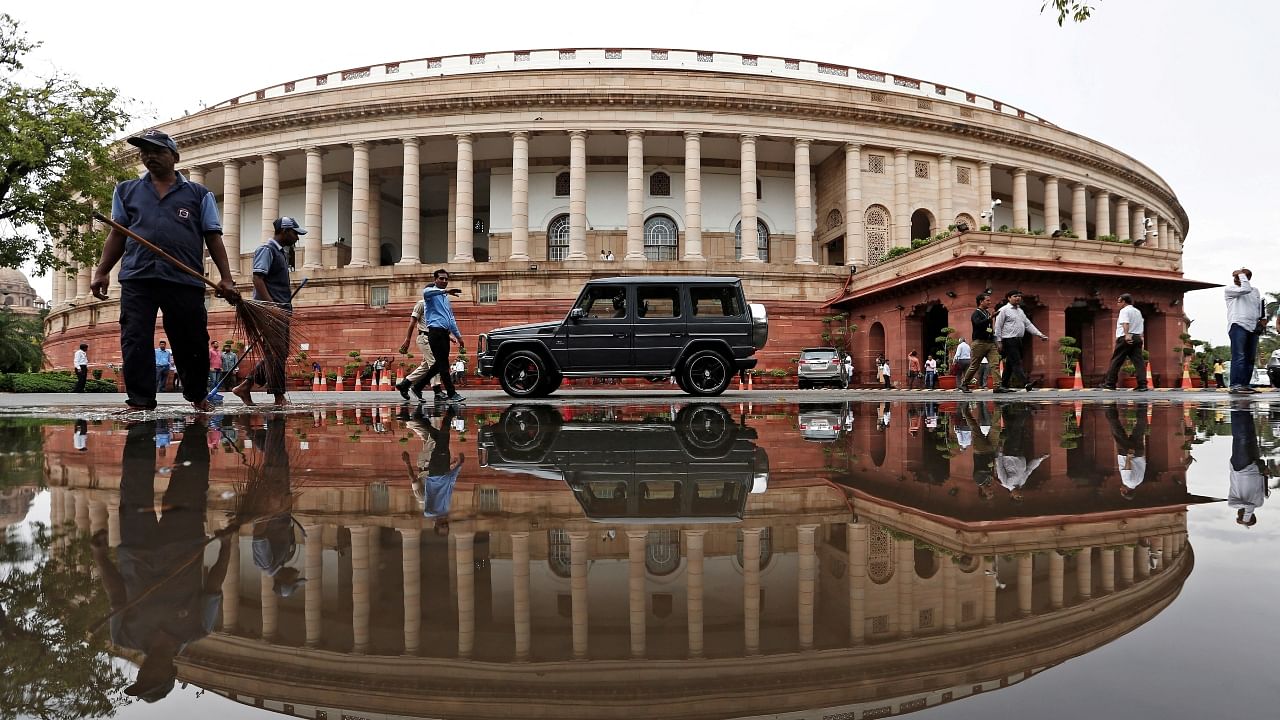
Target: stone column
360, 600
59, 279
520, 594
1102, 214
855, 241
901, 200
1122, 220
313, 611
905, 577
464, 554
1138, 213
1157, 553
411, 571
313, 215
1052, 213
113, 525
97, 516
984, 191
1026, 567
375, 221
1108, 570
270, 194
464, 198
196, 174
83, 281
1142, 561
231, 586
1166, 240
270, 605
807, 581
578, 592
1084, 573
635, 196
989, 591
359, 205
804, 211
747, 186
1020, 214
751, 586
635, 584
693, 548
577, 195
82, 511
693, 196
855, 541
411, 206
520, 195
1080, 210
1126, 566
949, 599
1057, 569
945, 199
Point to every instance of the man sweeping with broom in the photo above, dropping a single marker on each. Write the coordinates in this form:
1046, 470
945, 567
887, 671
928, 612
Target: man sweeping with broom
271, 283
181, 218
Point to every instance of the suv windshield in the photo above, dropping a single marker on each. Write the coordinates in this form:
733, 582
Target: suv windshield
817, 354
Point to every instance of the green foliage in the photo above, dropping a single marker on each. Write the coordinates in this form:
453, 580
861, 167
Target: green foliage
50, 382
896, 252
1037, 232
1004, 228
1019, 231
1071, 234
984, 228
948, 340
1070, 352
20, 338
1075, 10
56, 152
918, 243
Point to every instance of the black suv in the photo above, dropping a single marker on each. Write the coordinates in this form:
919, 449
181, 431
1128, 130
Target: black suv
699, 330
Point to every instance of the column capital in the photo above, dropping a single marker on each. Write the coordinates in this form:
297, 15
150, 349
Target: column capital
1078, 185
696, 532
1019, 172
410, 533
747, 138
637, 534
852, 147
900, 152
1122, 200
689, 134
517, 134
359, 145
801, 141
463, 137
232, 163
314, 150
578, 133
194, 168
944, 157
1102, 193
635, 133
521, 535
270, 156
752, 531
578, 535
413, 140
1052, 177
984, 164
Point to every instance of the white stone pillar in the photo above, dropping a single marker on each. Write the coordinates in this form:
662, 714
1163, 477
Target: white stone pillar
1080, 210
360, 601
984, 192
270, 195
807, 582
313, 213
82, 511
1057, 571
113, 525
1084, 573
270, 606
1138, 213
693, 196
577, 195
1166, 240
313, 610
375, 221
635, 196
1142, 561
989, 591
520, 196
855, 241
804, 209
1126, 566
464, 199
693, 548
359, 205
635, 584
97, 516
1026, 566
578, 592
856, 542
464, 552
901, 200
1102, 214
83, 281
196, 174
1123, 228
1020, 214
950, 602
946, 200
751, 587
1158, 546
905, 577
59, 279
520, 594
747, 187
411, 571
1052, 213
1108, 570
411, 205
231, 586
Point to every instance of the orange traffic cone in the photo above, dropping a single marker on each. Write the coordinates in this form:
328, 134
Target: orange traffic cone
337, 384
384, 382
324, 382
750, 383
741, 383
1150, 383
315, 382
1186, 376
1079, 382
1078, 408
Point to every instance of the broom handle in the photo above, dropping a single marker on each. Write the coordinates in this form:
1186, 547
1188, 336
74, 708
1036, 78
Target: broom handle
154, 248
245, 354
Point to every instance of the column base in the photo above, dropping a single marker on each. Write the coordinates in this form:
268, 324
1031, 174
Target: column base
806, 262
694, 258
518, 258
463, 259
408, 263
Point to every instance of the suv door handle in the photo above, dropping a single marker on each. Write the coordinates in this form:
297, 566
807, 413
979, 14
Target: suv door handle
622, 335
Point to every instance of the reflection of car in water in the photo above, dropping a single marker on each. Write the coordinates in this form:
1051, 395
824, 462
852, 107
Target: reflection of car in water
698, 467
823, 423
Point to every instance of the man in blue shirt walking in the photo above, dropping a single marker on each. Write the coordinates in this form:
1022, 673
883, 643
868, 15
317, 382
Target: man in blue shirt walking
440, 326
164, 358
271, 283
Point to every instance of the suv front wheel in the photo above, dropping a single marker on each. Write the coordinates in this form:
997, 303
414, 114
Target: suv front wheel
524, 373
706, 372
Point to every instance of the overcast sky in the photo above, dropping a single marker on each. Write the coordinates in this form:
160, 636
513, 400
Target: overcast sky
1185, 87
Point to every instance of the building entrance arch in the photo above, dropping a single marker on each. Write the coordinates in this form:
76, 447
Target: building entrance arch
922, 224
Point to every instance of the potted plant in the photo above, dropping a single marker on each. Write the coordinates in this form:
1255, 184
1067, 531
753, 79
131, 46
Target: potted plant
1070, 352
947, 338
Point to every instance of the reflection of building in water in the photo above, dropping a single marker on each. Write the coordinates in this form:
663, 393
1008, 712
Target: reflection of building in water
14, 504
872, 609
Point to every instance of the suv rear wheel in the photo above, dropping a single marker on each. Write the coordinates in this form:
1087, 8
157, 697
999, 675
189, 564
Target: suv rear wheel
706, 372
524, 374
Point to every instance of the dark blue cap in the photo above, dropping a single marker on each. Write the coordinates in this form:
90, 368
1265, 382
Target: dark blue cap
154, 138
288, 223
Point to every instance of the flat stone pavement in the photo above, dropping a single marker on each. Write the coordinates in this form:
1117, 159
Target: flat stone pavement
98, 405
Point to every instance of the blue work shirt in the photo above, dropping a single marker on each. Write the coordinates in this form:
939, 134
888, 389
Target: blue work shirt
176, 223
439, 312
437, 493
164, 358
270, 262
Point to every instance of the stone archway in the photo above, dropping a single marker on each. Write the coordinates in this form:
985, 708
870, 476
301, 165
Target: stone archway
922, 224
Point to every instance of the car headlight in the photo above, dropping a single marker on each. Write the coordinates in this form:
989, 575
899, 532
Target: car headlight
482, 344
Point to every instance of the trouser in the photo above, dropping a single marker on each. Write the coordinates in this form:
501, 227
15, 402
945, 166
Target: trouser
214, 377
185, 325
439, 340
1244, 353
1244, 440
82, 376
960, 367
183, 515
270, 374
428, 359
930, 379
1011, 351
1131, 352
1219, 380
1126, 443
981, 349
162, 378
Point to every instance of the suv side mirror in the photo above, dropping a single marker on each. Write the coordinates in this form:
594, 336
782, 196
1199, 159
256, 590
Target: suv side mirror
577, 313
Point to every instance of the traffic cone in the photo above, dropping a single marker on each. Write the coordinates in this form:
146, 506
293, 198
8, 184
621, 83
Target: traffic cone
750, 382
1186, 376
384, 383
1150, 383
315, 382
1079, 382
741, 382
337, 384
324, 382
1078, 407
1149, 413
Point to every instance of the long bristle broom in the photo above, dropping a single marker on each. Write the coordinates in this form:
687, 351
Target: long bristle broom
264, 325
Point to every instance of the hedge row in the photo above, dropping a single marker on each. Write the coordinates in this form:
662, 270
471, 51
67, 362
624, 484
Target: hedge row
50, 382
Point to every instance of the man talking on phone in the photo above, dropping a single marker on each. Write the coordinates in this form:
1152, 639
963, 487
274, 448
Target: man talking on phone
440, 326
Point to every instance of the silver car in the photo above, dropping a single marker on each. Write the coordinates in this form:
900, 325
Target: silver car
821, 366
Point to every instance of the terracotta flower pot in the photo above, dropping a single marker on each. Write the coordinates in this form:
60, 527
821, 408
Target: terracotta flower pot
1066, 383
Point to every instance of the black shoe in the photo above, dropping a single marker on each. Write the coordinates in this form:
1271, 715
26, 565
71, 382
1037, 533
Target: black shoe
1104, 387
417, 393
1003, 389
455, 398
1143, 389
1029, 386
403, 387
966, 389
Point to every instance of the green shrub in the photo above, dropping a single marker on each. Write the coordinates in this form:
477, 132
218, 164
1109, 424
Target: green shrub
50, 382
896, 252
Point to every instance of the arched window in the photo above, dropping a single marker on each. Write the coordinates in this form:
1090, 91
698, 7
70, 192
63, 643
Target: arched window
922, 224
562, 185
966, 219
558, 238
875, 227
660, 184
558, 553
834, 219
662, 552
880, 555
660, 238
762, 240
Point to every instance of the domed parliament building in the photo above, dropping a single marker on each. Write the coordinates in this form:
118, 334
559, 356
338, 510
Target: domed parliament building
520, 172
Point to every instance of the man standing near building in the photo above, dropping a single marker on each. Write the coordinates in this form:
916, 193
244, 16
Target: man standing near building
441, 324
418, 326
984, 341
1245, 322
271, 283
1011, 324
215, 364
1129, 330
960, 361
81, 363
229, 360
182, 218
164, 359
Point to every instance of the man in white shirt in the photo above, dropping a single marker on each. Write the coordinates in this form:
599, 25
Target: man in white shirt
1013, 464
960, 361
1131, 449
81, 363
1010, 325
1129, 332
1273, 368
1244, 313
1248, 480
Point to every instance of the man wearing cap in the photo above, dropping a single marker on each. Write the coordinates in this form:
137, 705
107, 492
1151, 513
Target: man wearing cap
271, 283
180, 217
1010, 326
274, 540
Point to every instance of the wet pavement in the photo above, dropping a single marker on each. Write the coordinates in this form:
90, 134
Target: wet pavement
643, 555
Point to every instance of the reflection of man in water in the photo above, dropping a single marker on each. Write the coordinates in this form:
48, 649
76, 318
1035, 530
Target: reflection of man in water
437, 469
179, 609
80, 438
1013, 464
274, 543
1131, 449
1248, 474
985, 438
